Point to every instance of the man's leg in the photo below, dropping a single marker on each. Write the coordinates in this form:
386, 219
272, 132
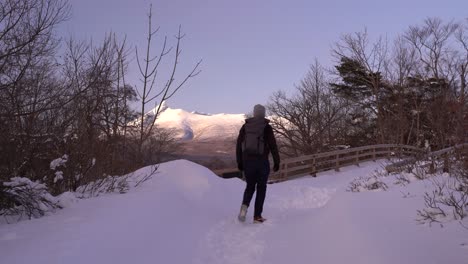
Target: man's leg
262, 179
250, 172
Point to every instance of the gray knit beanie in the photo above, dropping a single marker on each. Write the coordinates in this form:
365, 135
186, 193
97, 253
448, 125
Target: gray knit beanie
259, 111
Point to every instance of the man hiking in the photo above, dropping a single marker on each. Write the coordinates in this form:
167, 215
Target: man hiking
254, 143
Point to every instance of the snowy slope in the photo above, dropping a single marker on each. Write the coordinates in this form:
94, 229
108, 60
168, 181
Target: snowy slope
185, 214
198, 126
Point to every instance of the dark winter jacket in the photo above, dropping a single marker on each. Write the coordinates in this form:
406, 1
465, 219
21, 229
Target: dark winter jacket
270, 145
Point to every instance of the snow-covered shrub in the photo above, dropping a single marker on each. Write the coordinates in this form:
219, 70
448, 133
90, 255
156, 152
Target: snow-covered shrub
448, 201
449, 198
369, 183
421, 169
107, 184
57, 166
402, 174
20, 197
120, 184
59, 162
405, 178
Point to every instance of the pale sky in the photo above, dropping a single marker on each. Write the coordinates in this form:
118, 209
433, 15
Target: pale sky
250, 49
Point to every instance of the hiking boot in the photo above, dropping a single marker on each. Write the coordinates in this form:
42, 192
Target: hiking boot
259, 219
242, 213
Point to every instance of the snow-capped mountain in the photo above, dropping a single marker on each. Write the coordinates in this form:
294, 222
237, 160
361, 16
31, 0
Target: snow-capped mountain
199, 126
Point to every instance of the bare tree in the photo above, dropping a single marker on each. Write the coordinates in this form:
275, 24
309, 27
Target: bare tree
310, 121
28, 80
406, 110
437, 74
403, 63
27, 44
30, 89
431, 43
462, 39
75, 107
405, 66
149, 70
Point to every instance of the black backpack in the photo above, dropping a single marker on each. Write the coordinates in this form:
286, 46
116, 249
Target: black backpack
254, 140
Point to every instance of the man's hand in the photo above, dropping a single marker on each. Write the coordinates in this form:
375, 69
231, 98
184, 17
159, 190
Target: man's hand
240, 166
276, 167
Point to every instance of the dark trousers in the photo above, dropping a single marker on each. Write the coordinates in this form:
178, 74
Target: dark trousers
256, 174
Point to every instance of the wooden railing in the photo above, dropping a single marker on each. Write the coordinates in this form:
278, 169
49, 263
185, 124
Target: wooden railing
442, 154
312, 164
334, 160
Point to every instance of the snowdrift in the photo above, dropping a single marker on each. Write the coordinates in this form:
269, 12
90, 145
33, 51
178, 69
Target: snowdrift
186, 214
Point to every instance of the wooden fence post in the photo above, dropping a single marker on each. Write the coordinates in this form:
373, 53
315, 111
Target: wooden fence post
285, 171
446, 163
357, 158
432, 168
337, 163
313, 171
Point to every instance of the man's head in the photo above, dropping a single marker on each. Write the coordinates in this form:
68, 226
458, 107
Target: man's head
259, 111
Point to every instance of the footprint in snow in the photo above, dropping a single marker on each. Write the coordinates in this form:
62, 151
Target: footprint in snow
232, 242
302, 197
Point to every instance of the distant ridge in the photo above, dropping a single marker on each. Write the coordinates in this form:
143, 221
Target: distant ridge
198, 126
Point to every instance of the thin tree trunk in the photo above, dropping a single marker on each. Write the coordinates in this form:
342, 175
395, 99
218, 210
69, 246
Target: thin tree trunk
461, 117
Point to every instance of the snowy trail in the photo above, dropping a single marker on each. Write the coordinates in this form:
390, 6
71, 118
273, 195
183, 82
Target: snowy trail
233, 242
185, 214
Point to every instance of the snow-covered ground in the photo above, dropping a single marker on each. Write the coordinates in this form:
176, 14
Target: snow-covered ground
185, 214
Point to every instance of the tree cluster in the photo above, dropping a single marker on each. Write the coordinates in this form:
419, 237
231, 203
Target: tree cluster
407, 91
65, 106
